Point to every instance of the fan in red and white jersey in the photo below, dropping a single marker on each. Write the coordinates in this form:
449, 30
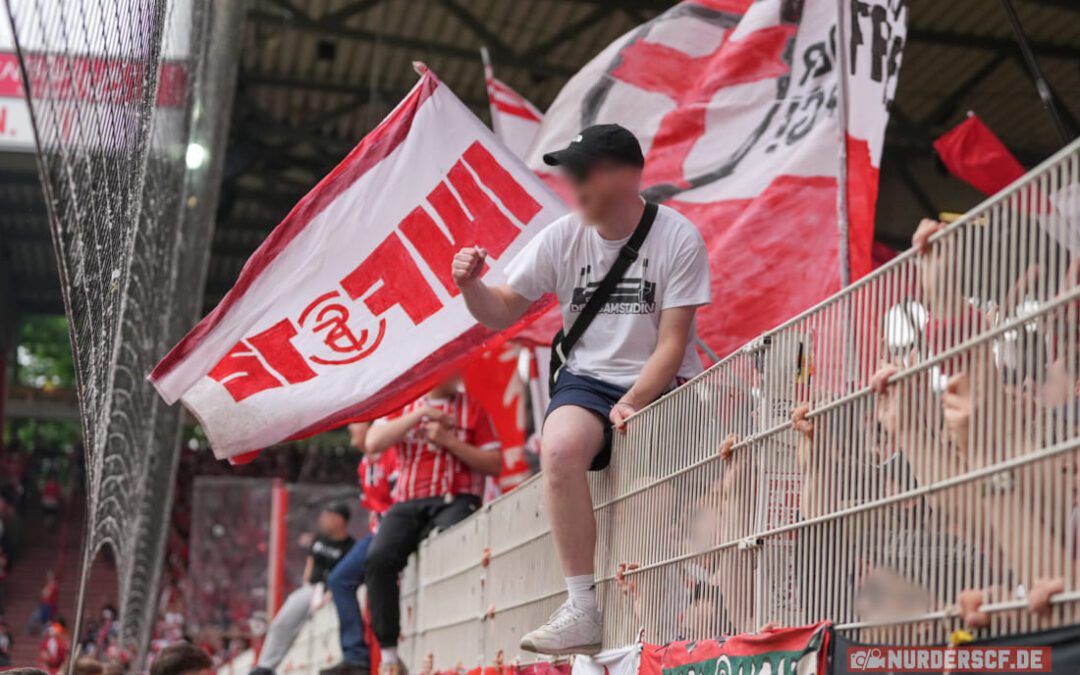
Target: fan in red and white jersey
513, 118
446, 445
426, 469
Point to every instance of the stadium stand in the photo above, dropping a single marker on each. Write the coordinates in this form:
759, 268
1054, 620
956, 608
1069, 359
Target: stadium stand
705, 524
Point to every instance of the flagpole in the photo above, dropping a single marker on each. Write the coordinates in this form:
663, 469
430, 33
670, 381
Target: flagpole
489, 74
486, 58
849, 361
707, 349
842, 124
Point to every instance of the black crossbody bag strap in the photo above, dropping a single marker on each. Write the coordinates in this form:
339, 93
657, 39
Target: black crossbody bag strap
562, 344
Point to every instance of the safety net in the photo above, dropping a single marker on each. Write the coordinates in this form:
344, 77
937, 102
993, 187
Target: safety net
113, 88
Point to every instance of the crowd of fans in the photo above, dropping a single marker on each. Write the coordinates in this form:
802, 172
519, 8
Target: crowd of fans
43, 480
926, 420
40, 479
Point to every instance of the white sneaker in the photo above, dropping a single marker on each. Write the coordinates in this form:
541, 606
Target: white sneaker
569, 631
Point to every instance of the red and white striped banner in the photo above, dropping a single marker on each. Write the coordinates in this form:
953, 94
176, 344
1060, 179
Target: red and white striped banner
514, 119
348, 309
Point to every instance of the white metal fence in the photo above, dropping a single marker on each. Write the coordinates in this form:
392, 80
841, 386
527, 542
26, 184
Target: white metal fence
875, 512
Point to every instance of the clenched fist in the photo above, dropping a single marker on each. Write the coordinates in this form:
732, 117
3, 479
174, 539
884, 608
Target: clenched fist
468, 264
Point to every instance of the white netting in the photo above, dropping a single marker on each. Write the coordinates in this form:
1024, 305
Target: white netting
113, 86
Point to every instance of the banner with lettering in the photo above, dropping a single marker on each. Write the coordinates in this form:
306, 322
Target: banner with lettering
1059, 649
792, 651
738, 106
348, 310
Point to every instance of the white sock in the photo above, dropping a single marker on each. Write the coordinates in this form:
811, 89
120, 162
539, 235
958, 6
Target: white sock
388, 654
582, 590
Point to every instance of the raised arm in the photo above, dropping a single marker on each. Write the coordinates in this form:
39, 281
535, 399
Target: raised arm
660, 369
497, 307
380, 437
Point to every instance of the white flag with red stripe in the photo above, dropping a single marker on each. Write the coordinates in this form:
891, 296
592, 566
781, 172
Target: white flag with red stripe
348, 309
737, 105
514, 119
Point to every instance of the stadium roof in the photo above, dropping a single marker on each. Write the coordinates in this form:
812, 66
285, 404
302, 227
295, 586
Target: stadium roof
317, 74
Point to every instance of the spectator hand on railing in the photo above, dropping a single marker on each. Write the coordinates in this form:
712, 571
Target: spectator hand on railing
927, 228
621, 412
1042, 591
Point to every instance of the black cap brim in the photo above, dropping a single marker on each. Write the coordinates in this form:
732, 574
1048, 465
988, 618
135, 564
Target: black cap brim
570, 158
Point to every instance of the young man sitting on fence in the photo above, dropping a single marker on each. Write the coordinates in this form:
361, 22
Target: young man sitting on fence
628, 300
446, 445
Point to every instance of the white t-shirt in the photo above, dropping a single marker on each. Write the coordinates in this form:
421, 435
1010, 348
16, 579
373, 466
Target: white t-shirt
570, 259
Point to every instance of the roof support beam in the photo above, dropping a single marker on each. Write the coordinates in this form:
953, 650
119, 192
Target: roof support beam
341, 31
909, 181
500, 49
1071, 5
1047, 50
949, 103
644, 5
570, 32
360, 90
349, 11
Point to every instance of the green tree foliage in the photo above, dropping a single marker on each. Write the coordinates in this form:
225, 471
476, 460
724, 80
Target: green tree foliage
43, 354
43, 361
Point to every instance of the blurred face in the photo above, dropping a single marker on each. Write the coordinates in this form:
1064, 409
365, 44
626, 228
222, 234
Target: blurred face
704, 530
885, 594
1058, 388
447, 387
601, 191
331, 524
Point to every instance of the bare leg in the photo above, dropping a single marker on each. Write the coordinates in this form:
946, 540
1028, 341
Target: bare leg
571, 438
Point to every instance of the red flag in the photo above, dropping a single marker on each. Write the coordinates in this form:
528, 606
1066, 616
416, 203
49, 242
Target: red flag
348, 309
975, 155
493, 380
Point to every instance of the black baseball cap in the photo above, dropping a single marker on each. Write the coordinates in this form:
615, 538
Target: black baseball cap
610, 142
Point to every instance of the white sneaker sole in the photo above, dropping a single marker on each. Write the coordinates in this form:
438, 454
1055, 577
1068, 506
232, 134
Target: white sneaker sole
587, 650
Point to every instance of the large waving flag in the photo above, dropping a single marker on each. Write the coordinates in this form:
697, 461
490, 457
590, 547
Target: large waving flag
746, 111
348, 309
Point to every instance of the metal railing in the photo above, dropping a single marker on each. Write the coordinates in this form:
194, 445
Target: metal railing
875, 510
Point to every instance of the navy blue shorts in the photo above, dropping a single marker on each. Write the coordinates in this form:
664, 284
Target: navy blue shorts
594, 395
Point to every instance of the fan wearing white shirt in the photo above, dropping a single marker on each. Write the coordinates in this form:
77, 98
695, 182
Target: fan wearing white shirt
639, 344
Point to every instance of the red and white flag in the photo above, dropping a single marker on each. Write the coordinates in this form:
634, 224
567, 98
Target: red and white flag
740, 108
348, 309
514, 119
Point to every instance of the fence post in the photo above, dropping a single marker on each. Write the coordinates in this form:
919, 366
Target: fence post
279, 508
